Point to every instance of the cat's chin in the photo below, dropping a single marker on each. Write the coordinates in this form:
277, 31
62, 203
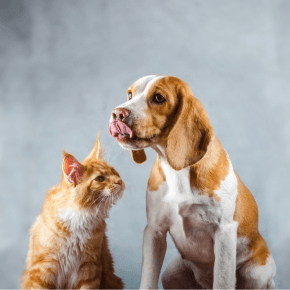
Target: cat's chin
109, 201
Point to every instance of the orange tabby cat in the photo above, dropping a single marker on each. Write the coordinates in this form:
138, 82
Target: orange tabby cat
68, 245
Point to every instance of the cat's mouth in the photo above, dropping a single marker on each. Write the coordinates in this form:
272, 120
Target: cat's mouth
112, 193
106, 199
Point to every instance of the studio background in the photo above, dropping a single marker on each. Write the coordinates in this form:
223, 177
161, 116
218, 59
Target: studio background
65, 64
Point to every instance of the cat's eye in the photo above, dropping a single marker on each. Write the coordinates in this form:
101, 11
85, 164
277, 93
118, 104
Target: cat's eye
129, 96
100, 178
157, 98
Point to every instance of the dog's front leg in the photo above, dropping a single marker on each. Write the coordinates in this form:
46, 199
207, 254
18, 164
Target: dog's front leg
225, 244
154, 249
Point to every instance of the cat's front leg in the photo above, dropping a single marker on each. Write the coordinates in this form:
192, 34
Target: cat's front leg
90, 274
38, 277
109, 279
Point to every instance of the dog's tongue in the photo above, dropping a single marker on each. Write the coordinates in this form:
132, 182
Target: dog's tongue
118, 129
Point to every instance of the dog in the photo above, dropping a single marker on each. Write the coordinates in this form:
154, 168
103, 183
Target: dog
193, 193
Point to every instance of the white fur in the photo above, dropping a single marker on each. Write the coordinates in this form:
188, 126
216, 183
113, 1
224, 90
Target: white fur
225, 241
243, 252
142, 83
80, 223
177, 182
228, 192
261, 277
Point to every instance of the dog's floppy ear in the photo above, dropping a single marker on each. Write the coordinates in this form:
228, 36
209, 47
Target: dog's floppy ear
191, 132
138, 156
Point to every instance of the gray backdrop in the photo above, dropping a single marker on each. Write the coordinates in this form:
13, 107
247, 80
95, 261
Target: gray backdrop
66, 64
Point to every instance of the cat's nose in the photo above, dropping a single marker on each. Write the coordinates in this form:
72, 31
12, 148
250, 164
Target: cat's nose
120, 114
120, 181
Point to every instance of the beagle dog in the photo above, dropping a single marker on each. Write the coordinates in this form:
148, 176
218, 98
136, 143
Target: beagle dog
193, 193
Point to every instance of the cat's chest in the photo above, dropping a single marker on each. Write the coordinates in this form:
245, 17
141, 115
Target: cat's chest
77, 246
70, 260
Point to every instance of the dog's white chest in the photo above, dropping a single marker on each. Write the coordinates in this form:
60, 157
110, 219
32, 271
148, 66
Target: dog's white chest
193, 218
192, 228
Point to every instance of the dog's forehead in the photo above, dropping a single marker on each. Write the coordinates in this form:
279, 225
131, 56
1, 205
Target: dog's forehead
143, 84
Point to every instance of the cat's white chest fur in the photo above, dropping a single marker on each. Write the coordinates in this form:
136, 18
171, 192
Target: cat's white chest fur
80, 224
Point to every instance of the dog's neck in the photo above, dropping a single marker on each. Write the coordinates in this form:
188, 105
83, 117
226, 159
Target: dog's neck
160, 150
215, 163
177, 181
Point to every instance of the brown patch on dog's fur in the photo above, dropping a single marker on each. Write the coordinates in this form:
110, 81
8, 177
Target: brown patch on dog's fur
157, 176
246, 214
207, 174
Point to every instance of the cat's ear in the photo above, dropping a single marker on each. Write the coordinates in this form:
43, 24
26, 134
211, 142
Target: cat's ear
97, 151
72, 169
138, 156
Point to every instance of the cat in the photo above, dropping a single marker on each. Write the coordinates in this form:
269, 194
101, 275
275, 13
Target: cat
68, 245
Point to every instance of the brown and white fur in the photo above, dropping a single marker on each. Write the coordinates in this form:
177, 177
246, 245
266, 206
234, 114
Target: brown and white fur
193, 193
68, 246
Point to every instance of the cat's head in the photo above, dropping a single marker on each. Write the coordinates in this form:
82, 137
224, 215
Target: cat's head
93, 184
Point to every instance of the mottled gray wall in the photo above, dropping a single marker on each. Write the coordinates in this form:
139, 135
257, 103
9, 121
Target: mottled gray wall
65, 64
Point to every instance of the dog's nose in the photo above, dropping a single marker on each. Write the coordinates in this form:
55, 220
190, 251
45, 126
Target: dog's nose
120, 114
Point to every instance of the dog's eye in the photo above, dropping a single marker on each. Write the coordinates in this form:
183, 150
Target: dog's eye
100, 178
158, 99
129, 96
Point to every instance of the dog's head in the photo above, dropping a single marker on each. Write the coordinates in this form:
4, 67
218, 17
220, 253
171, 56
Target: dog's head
162, 111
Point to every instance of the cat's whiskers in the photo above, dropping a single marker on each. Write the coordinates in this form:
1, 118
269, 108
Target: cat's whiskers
97, 199
101, 201
91, 197
117, 153
88, 200
90, 207
110, 191
113, 197
110, 150
109, 197
114, 193
116, 150
101, 214
107, 206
